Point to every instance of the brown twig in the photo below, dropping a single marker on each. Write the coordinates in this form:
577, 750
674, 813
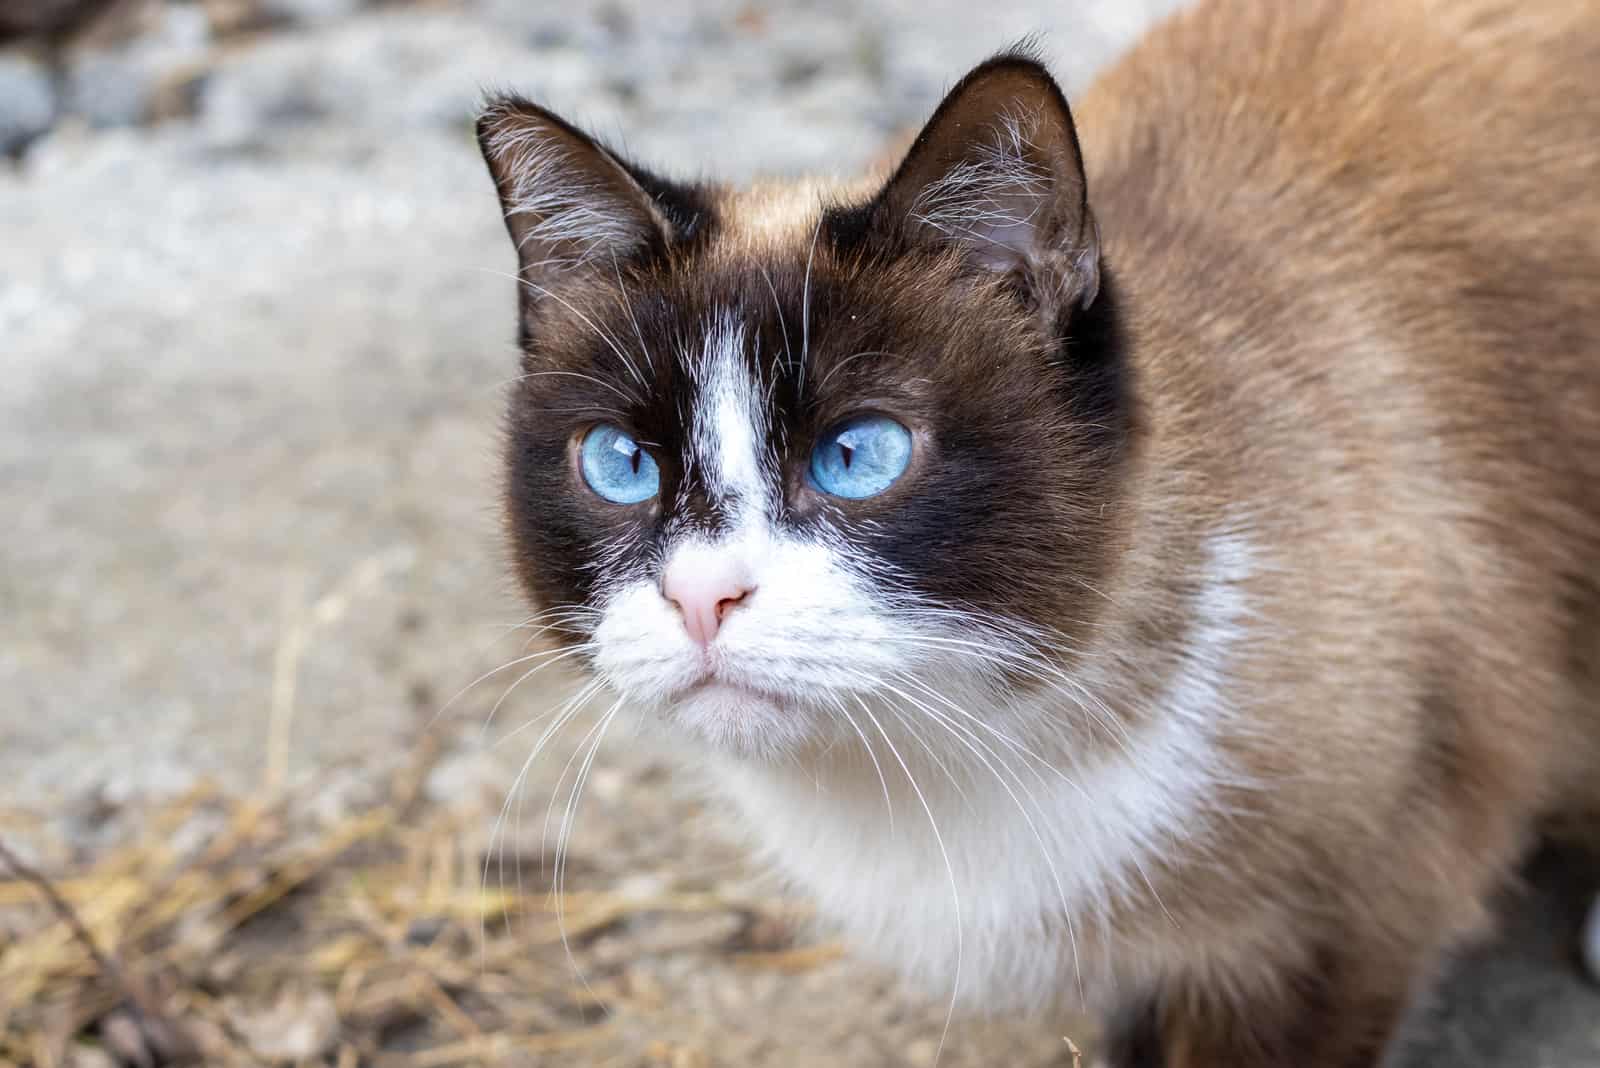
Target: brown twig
68, 915
161, 1033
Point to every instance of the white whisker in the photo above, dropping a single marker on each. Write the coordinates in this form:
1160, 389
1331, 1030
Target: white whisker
603, 335
564, 839
491, 857
805, 308
842, 364
950, 870
978, 748
788, 356
575, 374
871, 755
492, 672
644, 349
556, 656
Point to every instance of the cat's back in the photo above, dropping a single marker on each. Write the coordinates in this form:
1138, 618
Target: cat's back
1456, 106
1359, 243
1366, 217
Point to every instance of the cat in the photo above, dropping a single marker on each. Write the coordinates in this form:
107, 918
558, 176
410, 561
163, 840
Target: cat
1161, 568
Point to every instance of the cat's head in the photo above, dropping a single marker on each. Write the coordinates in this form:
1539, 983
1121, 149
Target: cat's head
783, 462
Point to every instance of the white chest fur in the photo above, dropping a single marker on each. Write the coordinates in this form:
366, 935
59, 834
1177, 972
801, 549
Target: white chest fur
996, 875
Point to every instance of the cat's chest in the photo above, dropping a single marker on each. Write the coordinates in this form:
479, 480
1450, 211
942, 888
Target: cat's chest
1008, 870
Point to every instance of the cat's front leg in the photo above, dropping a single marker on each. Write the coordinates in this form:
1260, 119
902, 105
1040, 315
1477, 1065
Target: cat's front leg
1341, 1013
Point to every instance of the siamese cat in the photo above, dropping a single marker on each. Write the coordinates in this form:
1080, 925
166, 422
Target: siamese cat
1146, 553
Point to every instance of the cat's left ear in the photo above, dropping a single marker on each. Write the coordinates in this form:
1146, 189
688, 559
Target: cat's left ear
569, 202
997, 173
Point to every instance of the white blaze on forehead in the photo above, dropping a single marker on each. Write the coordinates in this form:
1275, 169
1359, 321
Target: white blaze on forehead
771, 215
729, 420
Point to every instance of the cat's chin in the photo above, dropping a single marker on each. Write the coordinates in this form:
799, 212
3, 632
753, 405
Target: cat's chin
739, 721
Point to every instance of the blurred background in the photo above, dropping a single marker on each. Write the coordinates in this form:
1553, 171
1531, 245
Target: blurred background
255, 326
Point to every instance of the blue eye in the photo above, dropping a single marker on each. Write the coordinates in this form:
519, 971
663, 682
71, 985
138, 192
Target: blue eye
861, 457
616, 467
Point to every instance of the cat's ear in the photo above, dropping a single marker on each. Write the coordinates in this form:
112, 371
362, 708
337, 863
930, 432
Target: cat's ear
997, 172
569, 203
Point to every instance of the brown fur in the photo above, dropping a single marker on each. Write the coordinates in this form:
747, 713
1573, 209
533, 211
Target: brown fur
1360, 247
1353, 252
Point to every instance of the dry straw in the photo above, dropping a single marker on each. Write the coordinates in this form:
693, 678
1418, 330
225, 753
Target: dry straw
371, 941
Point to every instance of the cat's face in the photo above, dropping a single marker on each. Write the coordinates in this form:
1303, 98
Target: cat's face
787, 466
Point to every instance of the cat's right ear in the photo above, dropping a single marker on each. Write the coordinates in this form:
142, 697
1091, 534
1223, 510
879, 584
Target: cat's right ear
997, 174
569, 204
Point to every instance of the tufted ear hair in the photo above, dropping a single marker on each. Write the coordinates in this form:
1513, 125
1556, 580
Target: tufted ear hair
997, 173
569, 203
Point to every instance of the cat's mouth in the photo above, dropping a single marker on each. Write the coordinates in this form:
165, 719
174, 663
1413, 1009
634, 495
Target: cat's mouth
723, 678
736, 718
717, 689
711, 685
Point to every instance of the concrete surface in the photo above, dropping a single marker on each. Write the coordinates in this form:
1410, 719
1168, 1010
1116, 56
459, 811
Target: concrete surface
252, 361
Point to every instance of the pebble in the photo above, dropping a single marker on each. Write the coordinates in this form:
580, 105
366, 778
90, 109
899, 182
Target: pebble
378, 76
642, 886
1591, 941
83, 1055
146, 78
464, 777
310, 12
298, 1026
922, 1053
27, 101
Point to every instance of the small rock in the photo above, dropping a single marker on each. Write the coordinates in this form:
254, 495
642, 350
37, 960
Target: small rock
1591, 941
462, 777
922, 1053
224, 968
668, 1055
608, 785
197, 832
640, 988
134, 1037
199, 934
37, 18
212, 1043
85, 1056
301, 1025
27, 101
114, 23
390, 72
764, 933
424, 931
310, 12
231, 17
642, 886
127, 1040
154, 780
665, 936
341, 792
153, 76
732, 997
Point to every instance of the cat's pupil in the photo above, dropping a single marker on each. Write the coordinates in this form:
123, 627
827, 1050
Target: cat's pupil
633, 461
847, 452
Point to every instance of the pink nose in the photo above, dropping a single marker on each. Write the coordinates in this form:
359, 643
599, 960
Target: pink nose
705, 592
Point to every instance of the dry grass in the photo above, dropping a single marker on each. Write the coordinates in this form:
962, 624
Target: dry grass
375, 941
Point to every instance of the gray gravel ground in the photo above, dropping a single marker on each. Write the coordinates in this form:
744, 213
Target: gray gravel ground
252, 363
